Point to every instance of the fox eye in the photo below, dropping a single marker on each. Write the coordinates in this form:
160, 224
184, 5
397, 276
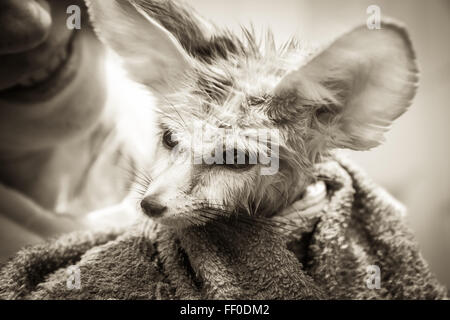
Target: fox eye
168, 139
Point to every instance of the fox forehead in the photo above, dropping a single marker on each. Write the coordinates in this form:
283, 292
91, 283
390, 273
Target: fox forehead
249, 73
237, 88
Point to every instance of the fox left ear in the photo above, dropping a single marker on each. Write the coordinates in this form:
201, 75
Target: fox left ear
368, 77
151, 54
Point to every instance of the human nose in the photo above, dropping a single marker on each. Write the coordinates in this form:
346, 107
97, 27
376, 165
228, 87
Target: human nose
24, 24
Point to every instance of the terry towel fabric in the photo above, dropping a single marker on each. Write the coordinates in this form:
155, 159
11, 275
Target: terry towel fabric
334, 253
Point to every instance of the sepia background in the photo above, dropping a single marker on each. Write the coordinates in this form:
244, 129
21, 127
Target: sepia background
413, 164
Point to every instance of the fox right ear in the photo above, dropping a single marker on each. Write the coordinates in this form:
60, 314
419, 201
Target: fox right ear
151, 54
365, 80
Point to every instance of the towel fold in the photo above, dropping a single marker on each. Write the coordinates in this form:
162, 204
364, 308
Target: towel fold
355, 246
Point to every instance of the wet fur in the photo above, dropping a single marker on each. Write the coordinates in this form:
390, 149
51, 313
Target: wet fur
240, 83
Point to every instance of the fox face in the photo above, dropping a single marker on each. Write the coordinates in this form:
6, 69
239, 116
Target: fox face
242, 122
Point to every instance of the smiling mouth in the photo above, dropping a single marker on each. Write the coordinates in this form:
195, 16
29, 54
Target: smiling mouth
44, 83
39, 76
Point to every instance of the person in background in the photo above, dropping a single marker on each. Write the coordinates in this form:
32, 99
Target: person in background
57, 155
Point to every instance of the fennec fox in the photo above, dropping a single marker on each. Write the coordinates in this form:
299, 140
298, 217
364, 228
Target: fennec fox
227, 102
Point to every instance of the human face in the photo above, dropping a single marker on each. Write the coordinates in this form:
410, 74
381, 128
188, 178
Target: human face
54, 91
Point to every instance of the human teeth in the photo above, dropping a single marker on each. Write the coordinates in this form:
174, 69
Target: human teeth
40, 75
26, 83
43, 74
63, 54
54, 64
58, 58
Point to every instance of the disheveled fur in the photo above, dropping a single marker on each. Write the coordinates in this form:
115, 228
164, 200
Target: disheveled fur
344, 96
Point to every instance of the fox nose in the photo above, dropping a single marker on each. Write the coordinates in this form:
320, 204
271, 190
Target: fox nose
152, 208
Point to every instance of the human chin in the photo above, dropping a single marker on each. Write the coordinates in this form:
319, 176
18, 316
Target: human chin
64, 106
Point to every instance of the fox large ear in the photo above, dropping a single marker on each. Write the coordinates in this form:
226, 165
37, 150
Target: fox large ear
367, 78
151, 54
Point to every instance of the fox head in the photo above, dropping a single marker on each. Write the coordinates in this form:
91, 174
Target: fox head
226, 102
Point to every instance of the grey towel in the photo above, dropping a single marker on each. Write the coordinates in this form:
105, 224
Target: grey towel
330, 255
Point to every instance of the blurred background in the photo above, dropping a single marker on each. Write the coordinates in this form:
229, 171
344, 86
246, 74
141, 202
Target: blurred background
413, 164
